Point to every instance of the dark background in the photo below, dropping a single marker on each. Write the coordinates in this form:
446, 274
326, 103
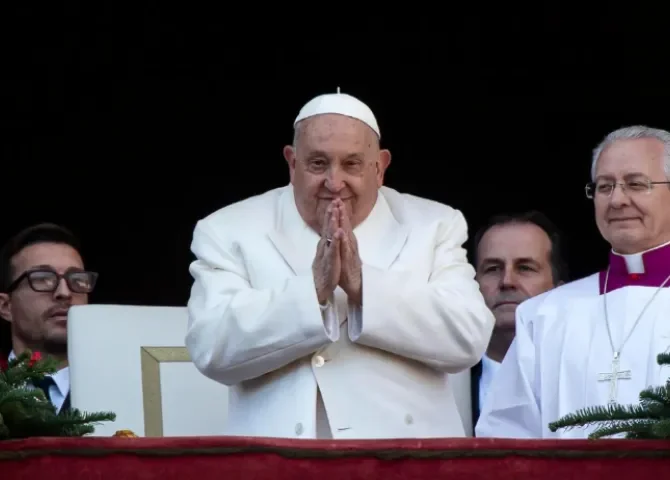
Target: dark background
128, 127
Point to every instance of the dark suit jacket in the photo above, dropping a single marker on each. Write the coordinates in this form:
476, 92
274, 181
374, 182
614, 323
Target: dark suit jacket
475, 377
66, 404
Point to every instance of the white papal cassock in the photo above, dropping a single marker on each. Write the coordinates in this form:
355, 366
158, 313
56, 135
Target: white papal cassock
378, 371
561, 358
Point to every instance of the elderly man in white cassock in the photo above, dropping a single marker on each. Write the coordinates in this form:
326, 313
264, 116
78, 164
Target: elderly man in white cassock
594, 341
335, 307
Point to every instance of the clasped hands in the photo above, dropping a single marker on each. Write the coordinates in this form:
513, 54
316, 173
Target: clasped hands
337, 261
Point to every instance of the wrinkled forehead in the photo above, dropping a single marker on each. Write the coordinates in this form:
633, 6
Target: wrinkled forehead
322, 131
58, 256
630, 157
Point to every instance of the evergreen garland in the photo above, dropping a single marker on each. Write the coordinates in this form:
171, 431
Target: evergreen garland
26, 412
648, 420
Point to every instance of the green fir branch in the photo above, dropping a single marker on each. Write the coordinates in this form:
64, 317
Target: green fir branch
663, 358
655, 394
26, 412
639, 427
656, 401
23, 373
591, 415
648, 420
27, 397
639, 436
661, 428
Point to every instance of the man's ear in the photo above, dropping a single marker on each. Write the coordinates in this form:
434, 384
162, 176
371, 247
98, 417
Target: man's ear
289, 156
5, 307
382, 164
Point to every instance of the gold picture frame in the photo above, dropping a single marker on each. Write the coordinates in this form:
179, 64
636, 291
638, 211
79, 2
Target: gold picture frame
151, 358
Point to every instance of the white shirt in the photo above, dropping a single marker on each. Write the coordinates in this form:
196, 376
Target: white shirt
489, 369
61, 388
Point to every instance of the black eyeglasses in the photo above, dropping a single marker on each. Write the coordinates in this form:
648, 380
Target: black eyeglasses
45, 280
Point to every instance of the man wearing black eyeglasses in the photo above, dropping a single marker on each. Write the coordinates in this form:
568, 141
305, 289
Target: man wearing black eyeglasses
42, 275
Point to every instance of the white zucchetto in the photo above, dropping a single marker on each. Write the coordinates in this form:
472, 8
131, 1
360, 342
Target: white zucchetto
342, 104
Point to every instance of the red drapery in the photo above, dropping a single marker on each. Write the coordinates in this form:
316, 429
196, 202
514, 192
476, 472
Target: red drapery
205, 458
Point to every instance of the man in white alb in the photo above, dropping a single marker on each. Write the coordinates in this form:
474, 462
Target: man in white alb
594, 341
335, 307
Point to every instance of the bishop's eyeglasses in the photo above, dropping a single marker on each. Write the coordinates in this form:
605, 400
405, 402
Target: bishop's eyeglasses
605, 188
48, 280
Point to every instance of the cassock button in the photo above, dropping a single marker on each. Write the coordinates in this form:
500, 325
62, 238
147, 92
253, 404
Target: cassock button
298, 429
634, 276
319, 361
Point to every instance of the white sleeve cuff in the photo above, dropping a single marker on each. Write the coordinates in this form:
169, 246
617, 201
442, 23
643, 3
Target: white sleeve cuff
330, 320
355, 322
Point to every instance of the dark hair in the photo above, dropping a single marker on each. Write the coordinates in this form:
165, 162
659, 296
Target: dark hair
41, 233
559, 267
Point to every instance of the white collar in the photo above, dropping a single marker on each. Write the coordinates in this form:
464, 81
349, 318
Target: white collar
635, 261
489, 362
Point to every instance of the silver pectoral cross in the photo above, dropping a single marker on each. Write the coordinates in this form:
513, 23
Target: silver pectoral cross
614, 378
